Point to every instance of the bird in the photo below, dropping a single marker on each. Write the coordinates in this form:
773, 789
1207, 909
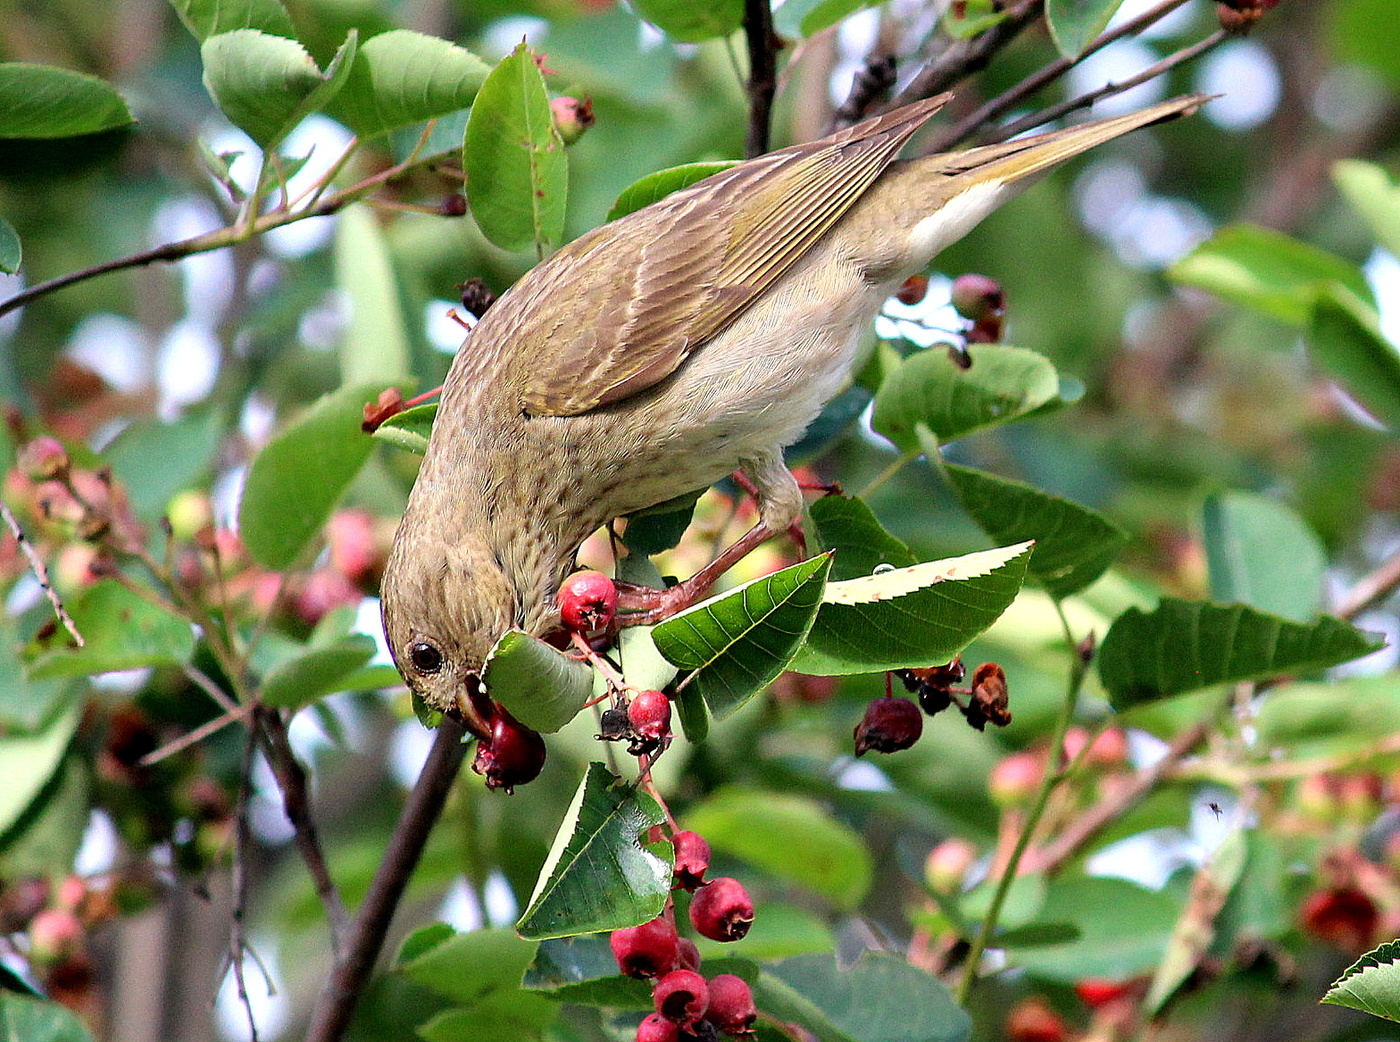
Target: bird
662, 351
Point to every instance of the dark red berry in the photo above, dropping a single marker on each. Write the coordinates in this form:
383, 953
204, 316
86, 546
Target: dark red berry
687, 955
511, 756
1032, 1020
889, 725
1096, 991
692, 859
650, 714
656, 1028
731, 1005
681, 996
1344, 917
912, 290
588, 602
722, 910
978, 297
648, 950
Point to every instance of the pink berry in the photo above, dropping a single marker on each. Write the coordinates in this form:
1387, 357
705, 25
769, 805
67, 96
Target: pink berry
656, 1028
588, 602
572, 117
692, 859
681, 996
650, 714
43, 459
978, 297
889, 725
722, 910
731, 1005
648, 950
512, 756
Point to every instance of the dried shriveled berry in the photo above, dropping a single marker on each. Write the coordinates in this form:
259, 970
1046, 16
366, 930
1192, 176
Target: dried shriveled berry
989, 702
722, 910
656, 1028
588, 602
692, 859
731, 1005
649, 950
889, 725
681, 996
512, 755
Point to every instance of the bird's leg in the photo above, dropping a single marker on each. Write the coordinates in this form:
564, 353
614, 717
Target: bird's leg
779, 506
826, 488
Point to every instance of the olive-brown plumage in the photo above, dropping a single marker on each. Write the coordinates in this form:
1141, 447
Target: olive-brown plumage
662, 351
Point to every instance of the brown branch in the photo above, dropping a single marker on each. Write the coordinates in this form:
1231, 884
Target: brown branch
763, 74
41, 573
963, 57
336, 1005
1371, 589
242, 842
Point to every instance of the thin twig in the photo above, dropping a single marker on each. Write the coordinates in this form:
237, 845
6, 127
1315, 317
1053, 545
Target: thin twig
968, 56
763, 74
336, 1005
1371, 589
41, 573
196, 736
205, 683
242, 840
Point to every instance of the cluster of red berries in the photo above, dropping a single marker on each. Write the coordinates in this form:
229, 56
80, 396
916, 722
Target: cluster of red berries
894, 723
687, 1005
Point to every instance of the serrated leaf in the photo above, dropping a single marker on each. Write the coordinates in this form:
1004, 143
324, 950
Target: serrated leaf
1267, 271
517, 169
410, 429
1262, 554
42, 101
598, 876
911, 617
317, 672
1345, 340
542, 687
375, 347
928, 389
29, 761
657, 186
1074, 24
296, 480
689, 22
1371, 984
1187, 645
122, 630
738, 642
402, 77
859, 544
1073, 544
1374, 196
11, 250
465, 966
267, 84
206, 18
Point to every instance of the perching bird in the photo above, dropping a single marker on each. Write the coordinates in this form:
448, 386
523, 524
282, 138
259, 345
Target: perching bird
659, 353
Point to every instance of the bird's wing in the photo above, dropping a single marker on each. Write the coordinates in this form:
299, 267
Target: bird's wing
618, 309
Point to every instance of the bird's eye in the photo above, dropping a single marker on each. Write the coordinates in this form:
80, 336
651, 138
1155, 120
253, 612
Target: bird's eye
425, 657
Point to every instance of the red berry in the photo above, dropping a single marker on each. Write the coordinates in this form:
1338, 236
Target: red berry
650, 714
656, 1028
1032, 1020
648, 950
681, 996
692, 859
912, 290
43, 459
512, 756
731, 1005
1095, 991
889, 725
588, 602
687, 955
1016, 778
722, 910
1344, 917
978, 297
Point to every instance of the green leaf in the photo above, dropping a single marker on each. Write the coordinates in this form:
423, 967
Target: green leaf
809, 17
738, 642
1262, 554
465, 966
979, 16
206, 18
1374, 196
1074, 24
583, 969
1342, 716
517, 169
598, 876
46, 837
421, 940
657, 186
375, 348
502, 1016
541, 686
1345, 340
911, 617
24, 1018
1187, 645
317, 672
1073, 544
11, 250
689, 22
29, 761
1004, 384
409, 429
846, 526
300, 474
880, 998
122, 630
1266, 270
790, 837
267, 84
155, 461
41, 101
1364, 32
401, 77
1371, 984
660, 527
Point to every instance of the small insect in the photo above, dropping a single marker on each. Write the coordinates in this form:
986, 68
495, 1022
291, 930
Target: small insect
1215, 808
